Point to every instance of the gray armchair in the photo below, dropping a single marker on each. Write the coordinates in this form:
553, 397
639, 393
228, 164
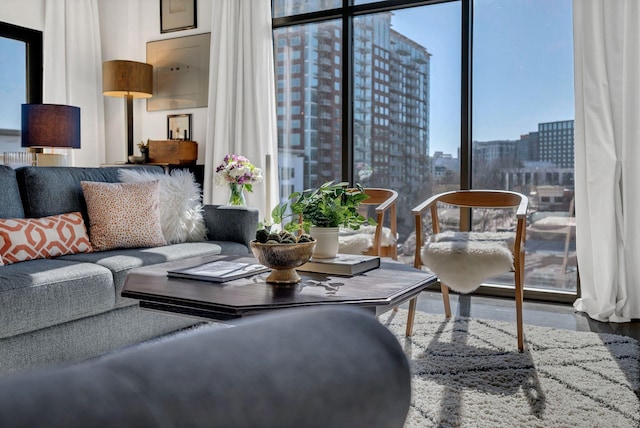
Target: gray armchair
315, 367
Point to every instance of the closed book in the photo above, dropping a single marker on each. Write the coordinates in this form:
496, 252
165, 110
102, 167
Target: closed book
218, 271
342, 264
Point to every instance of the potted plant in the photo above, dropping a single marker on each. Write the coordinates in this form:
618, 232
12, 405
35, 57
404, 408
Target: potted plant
322, 211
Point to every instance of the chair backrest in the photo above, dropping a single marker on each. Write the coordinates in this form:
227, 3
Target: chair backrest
471, 199
384, 201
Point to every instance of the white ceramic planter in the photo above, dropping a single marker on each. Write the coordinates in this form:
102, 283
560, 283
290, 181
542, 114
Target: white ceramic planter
326, 241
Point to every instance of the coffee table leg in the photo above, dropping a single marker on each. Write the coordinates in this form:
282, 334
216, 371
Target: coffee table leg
411, 316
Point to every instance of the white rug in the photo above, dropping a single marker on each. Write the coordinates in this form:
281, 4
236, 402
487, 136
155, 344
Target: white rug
468, 373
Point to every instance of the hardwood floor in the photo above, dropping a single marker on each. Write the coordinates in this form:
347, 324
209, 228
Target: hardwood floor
534, 313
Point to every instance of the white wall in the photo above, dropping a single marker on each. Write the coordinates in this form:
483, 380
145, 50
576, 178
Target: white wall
125, 26
25, 13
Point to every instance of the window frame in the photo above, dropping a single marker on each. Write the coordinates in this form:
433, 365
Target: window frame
33, 40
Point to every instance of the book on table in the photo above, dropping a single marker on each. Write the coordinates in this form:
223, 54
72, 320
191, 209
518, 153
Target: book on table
218, 271
342, 264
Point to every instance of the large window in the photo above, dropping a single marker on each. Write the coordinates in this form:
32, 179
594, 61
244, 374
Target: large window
523, 110
403, 95
20, 79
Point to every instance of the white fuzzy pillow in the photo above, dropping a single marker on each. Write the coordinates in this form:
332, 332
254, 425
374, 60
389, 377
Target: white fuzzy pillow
181, 209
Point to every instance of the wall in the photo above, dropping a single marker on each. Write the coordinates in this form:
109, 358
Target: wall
126, 27
25, 13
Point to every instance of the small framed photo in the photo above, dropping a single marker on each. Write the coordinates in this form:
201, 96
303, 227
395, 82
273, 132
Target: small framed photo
179, 127
176, 15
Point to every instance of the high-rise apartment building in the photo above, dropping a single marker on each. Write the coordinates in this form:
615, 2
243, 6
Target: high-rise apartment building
390, 102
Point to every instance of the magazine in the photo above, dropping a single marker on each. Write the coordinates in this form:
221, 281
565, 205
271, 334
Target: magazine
218, 271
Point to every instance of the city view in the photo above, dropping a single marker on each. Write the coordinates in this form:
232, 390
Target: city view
397, 134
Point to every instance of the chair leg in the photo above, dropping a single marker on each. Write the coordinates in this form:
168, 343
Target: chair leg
519, 300
445, 299
411, 316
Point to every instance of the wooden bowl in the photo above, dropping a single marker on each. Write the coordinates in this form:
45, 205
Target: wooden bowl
283, 259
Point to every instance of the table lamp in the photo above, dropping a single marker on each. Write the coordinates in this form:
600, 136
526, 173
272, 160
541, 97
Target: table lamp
50, 126
128, 79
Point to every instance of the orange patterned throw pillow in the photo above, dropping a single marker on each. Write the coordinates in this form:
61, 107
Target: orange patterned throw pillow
123, 215
24, 239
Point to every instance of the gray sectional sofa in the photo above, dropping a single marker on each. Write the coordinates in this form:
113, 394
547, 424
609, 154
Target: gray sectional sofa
69, 308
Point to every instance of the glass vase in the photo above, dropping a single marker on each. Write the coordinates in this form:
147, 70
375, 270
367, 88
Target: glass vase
236, 195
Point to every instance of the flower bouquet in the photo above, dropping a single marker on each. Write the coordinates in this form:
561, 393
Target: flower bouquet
239, 174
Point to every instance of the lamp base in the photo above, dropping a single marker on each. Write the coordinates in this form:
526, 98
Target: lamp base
52, 159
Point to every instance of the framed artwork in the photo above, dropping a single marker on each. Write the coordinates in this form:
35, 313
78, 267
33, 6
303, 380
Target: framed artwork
176, 15
180, 72
179, 127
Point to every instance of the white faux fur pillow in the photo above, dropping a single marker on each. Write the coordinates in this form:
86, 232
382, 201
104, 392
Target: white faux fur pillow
181, 209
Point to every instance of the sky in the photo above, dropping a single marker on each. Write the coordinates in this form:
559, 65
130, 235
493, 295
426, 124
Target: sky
12, 82
523, 68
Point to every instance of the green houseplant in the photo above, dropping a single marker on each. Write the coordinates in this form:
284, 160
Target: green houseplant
322, 212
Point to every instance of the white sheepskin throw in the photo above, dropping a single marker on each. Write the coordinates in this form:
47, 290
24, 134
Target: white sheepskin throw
181, 209
358, 241
463, 260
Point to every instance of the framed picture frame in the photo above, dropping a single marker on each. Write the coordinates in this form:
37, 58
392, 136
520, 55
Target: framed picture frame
179, 127
177, 15
180, 72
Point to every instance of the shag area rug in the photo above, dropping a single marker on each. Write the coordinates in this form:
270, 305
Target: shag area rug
468, 373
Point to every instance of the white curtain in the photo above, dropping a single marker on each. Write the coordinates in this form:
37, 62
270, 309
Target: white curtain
73, 71
242, 116
607, 151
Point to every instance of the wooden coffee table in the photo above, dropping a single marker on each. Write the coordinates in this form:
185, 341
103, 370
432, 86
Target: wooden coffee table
377, 290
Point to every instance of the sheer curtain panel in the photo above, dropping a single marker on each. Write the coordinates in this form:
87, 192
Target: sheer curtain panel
73, 71
607, 139
242, 112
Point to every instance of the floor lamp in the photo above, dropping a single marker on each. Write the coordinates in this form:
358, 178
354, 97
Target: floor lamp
128, 79
50, 126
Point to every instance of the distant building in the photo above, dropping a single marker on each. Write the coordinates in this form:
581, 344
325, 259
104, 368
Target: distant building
556, 143
10, 140
443, 165
527, 148
490, 153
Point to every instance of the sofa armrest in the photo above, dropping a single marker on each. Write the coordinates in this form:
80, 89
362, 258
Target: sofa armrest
231, 223
295, 368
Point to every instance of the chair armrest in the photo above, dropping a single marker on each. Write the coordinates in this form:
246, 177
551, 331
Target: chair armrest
295, 368
522, 208
231, 223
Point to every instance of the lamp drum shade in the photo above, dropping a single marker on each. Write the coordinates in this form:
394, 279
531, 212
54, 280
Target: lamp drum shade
50, 125
121, 78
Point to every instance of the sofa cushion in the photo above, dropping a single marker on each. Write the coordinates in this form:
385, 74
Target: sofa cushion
180, 206
123, 215
46, 292
24, 239
119, 262
53, 190
10, 203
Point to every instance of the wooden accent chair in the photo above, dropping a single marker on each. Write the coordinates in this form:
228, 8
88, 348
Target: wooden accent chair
454, 246
384, 239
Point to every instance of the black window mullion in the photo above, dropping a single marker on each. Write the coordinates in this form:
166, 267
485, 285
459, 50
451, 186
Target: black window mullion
347, 94
466, 134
